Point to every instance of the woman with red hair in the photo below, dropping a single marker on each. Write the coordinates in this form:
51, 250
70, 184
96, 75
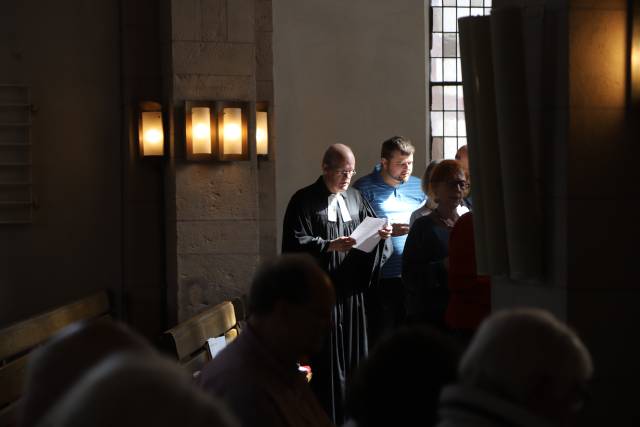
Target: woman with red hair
426, 251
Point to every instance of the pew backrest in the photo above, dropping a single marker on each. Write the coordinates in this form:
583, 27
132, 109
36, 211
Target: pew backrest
19, 339
187, 340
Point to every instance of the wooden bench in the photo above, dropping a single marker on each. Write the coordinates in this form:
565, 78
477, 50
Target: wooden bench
19, 339
187, 341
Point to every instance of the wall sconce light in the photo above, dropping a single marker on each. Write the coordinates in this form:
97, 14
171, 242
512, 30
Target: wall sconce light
232, 131
200, 130
262, 129
634, 11
150, 130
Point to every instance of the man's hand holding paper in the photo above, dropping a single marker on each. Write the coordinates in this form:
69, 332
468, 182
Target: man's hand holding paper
341, 244
369, 232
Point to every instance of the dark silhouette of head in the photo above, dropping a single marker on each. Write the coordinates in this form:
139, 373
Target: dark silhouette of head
134, 389
290, 304
55, 367
530, 358
399, 384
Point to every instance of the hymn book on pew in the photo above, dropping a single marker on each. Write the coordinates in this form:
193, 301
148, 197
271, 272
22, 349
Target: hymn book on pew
215, 345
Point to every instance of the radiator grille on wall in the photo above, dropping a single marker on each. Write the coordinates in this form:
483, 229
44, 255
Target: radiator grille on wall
15, 155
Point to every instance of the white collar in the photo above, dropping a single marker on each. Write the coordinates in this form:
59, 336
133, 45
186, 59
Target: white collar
334, 201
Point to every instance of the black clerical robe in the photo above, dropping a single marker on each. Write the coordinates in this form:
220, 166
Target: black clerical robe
307, 229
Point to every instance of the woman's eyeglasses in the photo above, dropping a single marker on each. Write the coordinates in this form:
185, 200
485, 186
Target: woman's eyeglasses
458, 184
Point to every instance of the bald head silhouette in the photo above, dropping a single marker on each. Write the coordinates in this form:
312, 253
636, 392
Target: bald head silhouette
335, 154
338, 166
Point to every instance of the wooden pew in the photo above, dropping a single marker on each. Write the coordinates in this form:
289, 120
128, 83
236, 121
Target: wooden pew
19, 339
187, 341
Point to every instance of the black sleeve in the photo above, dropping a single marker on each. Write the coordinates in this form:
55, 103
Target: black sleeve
422, 268
297, 230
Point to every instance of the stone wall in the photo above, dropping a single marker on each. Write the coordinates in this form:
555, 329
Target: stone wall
220, 215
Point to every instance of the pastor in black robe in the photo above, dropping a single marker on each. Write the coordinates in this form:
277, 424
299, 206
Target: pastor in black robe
307, 229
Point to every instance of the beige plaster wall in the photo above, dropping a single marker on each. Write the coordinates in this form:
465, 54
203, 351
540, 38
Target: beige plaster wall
351, 72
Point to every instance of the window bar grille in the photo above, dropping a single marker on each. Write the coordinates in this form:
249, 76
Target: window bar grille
447, 122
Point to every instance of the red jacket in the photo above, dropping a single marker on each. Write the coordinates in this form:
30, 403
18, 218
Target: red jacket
469, 293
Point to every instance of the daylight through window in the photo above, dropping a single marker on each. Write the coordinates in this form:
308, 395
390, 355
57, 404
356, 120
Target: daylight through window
448, 130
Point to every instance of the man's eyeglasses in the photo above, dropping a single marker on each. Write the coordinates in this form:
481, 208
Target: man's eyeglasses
455, 184
345, 172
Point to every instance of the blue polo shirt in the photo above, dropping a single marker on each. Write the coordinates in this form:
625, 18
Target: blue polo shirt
396, 203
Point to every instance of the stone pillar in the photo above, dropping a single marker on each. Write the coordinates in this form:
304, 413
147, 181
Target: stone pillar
268, 244
213, 50
591, 196
143, 278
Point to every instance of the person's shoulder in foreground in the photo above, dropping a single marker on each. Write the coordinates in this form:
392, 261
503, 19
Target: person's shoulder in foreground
290, 303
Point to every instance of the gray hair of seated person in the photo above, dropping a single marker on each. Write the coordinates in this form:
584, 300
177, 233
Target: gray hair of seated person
129, 389
516, 351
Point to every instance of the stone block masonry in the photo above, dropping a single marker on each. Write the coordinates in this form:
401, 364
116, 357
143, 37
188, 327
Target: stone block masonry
217, 214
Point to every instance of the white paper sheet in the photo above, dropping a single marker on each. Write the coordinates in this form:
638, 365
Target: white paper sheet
461, 210
216, 345
366, 234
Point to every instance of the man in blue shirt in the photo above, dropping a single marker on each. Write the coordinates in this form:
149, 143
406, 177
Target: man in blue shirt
393, 193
